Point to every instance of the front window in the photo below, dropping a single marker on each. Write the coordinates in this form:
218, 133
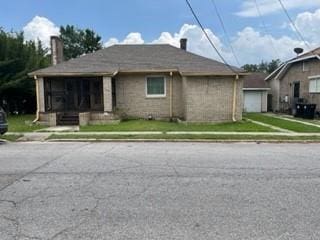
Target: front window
155, 86
314, 85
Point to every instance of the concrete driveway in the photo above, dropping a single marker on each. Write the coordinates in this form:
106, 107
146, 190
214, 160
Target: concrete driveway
159, 191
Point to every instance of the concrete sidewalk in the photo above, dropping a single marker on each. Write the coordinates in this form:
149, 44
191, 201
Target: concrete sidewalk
43, 136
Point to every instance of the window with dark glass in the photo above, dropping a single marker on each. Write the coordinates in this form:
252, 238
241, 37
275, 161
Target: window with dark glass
156, 86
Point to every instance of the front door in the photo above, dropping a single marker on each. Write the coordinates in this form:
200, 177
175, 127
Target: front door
71, 95
296, 93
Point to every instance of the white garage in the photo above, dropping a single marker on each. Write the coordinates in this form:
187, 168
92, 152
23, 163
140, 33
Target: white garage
252, 101
255, 93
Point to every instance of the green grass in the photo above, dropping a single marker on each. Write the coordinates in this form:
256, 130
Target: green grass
11, 137
293, 126
22, 123
184, 137
313, 121
164, 126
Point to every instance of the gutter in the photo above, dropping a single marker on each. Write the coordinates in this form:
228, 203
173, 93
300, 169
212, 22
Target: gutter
37, 96
171, 95
234, 102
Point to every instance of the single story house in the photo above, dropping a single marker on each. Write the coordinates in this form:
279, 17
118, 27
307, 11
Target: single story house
153, 81
255, 93
297, 80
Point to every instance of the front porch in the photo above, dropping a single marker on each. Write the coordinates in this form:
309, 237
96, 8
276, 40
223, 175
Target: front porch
75, 100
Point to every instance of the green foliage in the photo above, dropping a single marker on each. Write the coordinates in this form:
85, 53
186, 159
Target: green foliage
17, 58
78, 41
266, 67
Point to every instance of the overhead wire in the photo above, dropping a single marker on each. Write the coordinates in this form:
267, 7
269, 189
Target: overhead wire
225, 31
294, 25
209, 39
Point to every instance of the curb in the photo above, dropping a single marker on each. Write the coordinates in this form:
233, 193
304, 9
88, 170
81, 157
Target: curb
183, 140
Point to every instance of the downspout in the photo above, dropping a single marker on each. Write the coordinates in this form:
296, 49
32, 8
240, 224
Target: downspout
234, 102
171, 95
37, 96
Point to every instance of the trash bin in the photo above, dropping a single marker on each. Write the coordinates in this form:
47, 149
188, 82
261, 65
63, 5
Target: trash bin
309, 111
299, 110
305, 110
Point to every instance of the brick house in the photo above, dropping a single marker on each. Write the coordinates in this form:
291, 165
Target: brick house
155, 81
297, 80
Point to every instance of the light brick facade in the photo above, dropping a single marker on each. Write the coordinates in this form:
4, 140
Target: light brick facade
131, 96
195, 99
107, 94
210, 99
284, 87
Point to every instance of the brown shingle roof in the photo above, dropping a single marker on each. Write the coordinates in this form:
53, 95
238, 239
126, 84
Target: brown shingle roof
255, 80
152, 57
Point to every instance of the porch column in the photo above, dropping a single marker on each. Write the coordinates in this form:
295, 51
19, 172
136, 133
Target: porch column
41, 94
107, 94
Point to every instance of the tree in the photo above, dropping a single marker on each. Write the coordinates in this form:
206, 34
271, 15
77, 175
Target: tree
265, 67
78, 41
17, 58
250, 67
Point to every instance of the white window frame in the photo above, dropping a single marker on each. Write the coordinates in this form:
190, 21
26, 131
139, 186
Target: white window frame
156, 95
317, 79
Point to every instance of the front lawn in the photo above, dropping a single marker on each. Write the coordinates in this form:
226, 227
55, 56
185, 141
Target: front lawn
164, 126
22, 123
281, 123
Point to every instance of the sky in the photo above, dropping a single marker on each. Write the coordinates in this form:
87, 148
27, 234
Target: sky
253, 37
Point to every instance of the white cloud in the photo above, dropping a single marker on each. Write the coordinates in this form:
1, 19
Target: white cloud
250, 45
40, 28
308, 23
197, 41
131, 38
248, 7
253, 46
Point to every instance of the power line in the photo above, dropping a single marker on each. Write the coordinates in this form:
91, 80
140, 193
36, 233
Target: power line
293, 24
207, 36
266, 29
225, 31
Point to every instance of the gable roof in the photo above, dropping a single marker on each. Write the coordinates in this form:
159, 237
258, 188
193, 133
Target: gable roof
255, 81
138, 58
281, 70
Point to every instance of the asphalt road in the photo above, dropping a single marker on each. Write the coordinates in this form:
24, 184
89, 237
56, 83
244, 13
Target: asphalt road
159, 191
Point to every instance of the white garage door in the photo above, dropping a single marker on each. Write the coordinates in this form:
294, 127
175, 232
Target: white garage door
252, 101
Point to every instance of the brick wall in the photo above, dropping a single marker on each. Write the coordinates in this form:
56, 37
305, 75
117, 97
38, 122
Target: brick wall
211, 99
294, 74
132, 100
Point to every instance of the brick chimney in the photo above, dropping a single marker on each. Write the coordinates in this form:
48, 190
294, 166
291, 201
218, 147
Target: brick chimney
56, 50
183, 44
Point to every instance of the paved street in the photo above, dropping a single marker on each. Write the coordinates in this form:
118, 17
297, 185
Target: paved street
159, 191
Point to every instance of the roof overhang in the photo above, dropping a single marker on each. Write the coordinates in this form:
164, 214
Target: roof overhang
221, 74
286, 65
111, 74
70, 74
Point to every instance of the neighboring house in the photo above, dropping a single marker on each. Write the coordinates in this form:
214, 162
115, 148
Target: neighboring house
255, 93
139, 81
297, 80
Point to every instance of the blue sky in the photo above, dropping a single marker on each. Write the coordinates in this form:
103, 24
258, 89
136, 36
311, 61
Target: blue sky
150, 18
